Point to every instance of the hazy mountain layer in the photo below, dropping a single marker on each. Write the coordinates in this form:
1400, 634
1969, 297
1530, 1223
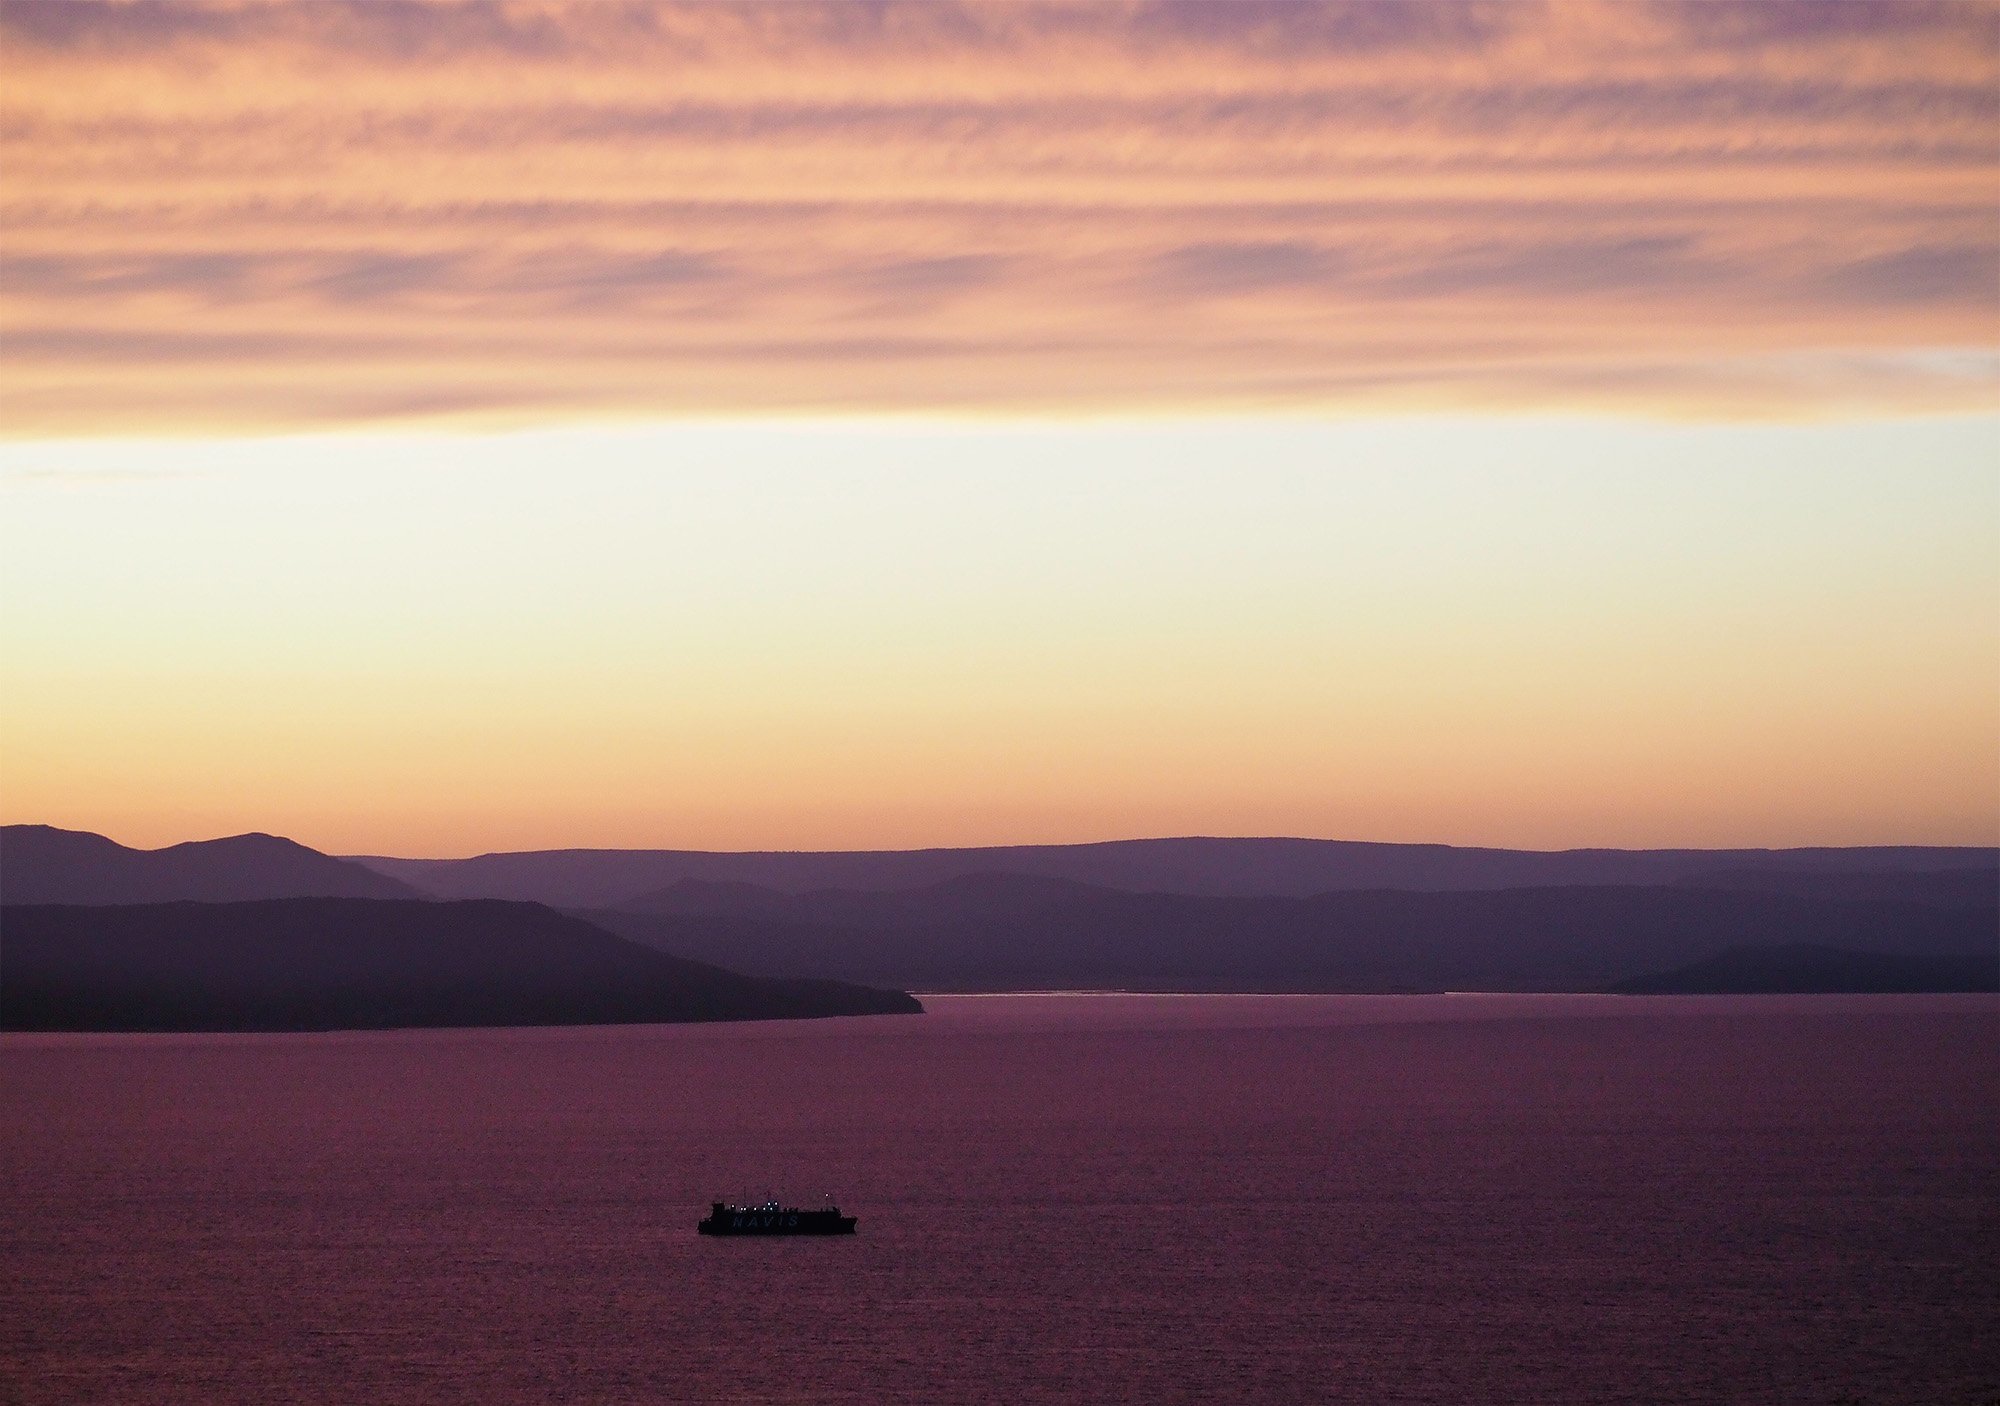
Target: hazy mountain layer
329, 963
1225, 867
1196, 913
41, 864
1006, 931
1939, 888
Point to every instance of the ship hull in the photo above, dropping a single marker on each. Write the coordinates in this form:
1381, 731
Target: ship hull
777, 1223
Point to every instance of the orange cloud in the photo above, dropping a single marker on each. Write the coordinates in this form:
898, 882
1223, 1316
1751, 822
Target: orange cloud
241, 215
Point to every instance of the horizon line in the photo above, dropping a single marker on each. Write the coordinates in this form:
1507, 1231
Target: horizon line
1020, 845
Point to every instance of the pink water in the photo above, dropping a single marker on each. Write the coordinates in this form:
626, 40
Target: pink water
1062, 1198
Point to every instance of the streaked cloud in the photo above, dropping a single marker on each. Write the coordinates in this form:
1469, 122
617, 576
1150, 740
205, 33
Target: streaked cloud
238, 216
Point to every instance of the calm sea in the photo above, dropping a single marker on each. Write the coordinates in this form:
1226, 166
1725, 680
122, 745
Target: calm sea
1062, 1198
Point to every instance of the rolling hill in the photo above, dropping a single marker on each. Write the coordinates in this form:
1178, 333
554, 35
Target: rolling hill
41, 864
331, 963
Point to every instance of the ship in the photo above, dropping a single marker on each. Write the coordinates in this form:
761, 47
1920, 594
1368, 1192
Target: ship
726, 1218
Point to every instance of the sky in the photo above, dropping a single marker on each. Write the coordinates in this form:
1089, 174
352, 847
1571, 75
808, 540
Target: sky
434, 428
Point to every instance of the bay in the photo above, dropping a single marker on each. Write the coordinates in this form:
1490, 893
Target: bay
1061, 1198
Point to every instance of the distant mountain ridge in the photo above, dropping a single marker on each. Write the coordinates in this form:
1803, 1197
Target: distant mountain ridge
1001, 931
42, 864
1211, 866
338, 963
1216, 914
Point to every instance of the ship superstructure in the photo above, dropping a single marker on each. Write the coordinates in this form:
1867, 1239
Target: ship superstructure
770, 1218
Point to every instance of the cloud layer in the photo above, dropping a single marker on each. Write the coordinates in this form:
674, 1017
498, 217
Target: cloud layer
243, 216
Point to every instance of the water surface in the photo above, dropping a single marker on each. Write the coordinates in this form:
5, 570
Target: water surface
1062, 1198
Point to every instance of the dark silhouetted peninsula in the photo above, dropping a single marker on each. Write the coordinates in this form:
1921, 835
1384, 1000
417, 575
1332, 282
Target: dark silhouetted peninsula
1808, 969
334, 964
41, 864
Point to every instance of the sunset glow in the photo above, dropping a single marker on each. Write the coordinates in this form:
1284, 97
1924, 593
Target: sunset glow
433, 428
1537, 633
